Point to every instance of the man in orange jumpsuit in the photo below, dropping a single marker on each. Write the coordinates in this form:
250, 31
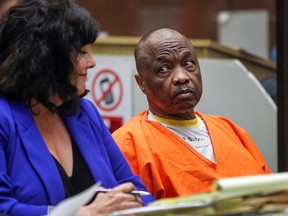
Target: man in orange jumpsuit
176, 150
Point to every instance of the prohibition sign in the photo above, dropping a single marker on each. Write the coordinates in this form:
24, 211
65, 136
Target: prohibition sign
107, 90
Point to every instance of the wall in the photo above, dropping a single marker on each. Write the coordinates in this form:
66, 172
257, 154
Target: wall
196, 19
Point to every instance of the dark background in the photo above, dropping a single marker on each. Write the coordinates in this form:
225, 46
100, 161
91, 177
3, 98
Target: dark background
197, 19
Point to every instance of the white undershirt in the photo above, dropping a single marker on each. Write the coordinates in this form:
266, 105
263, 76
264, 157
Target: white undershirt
194, 132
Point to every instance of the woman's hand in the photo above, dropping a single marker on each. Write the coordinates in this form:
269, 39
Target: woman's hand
119, 198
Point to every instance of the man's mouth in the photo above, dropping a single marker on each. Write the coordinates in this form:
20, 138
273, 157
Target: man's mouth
184, 94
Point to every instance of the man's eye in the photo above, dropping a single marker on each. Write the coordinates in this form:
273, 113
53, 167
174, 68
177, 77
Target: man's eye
189, 64
163, 69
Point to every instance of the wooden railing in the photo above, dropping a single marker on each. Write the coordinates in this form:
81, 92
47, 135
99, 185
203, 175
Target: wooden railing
121, 45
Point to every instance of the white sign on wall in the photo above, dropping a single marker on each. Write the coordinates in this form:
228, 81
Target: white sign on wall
109, 83
245, 29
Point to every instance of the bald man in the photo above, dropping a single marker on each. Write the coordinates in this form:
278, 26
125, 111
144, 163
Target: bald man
176, 150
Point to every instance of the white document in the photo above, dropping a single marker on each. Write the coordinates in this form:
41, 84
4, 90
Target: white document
71, 205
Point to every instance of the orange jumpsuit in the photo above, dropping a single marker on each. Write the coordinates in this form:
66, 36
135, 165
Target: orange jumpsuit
170, 167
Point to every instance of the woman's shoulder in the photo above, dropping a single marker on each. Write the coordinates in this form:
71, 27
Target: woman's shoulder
88, 108
5, 107
6, 117
12, 110
3, 100
87, 105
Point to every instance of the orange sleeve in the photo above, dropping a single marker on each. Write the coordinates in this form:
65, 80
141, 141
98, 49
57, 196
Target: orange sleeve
253, 149
140, 158
244, 137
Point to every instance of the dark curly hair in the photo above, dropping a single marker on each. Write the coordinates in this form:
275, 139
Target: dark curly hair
39, 40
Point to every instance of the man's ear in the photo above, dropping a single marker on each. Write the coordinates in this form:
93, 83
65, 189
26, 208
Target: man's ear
140, 82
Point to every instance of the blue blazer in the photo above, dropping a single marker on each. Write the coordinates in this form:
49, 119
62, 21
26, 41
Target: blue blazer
29, 178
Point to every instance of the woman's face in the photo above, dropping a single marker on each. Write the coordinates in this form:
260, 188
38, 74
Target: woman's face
84, 61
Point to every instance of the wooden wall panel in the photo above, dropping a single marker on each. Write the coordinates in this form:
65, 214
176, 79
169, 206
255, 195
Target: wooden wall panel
194, 18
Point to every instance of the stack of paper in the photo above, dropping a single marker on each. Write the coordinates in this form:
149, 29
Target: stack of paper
254, 194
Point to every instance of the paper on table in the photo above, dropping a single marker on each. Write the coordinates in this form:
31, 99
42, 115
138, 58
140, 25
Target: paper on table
198, 207
248, 185
236, 187
262, 193
71, 205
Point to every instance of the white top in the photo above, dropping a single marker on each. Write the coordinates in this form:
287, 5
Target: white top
194, 132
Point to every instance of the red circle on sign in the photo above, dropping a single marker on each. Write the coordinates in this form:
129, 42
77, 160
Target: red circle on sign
111, 85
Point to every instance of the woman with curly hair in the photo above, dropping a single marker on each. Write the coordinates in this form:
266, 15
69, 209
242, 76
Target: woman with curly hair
53, 142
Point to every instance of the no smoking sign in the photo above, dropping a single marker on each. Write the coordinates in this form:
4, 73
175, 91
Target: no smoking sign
107, 90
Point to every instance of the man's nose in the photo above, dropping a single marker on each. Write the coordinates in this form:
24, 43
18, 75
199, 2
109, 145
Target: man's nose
180, 76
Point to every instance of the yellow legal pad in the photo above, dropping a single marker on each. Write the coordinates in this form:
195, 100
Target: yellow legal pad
259, 194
